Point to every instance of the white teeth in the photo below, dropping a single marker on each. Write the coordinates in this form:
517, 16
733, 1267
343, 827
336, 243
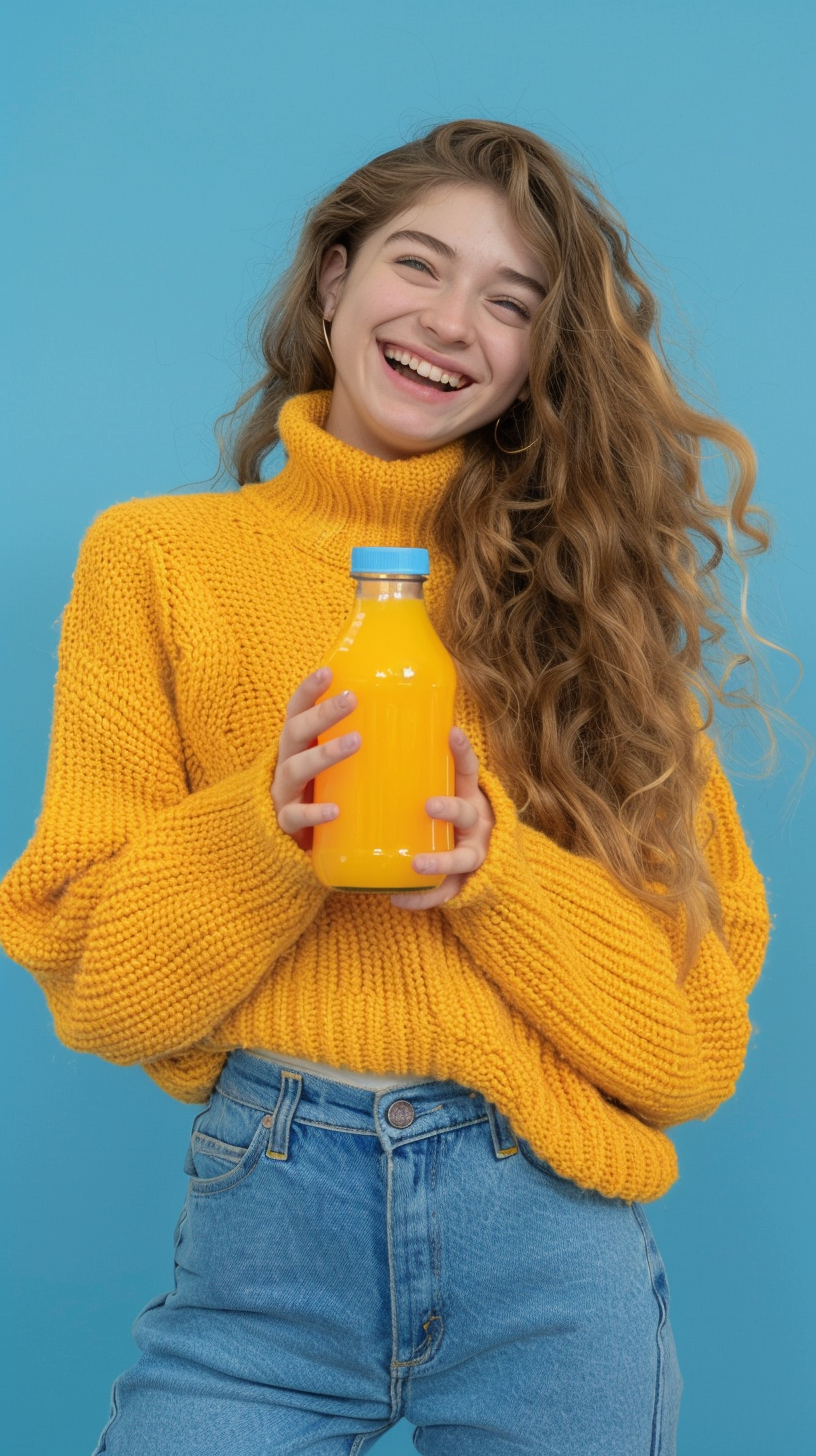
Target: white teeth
423, 368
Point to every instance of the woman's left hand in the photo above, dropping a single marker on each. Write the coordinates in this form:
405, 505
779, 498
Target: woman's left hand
473, 819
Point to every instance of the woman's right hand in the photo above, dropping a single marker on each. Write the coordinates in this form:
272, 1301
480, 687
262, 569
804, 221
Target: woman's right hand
300, 756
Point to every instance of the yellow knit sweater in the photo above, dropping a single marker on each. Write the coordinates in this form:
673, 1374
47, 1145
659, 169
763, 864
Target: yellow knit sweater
169, 919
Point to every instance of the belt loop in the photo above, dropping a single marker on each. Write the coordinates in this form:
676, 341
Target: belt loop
504, 1142
281, 1121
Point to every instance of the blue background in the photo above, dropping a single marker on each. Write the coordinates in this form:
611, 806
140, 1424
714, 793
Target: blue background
157, 161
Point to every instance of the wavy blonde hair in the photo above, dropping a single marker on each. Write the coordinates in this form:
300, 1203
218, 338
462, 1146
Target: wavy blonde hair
584, 588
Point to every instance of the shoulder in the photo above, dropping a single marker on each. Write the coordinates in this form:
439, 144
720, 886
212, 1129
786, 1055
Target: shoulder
164, 519
163, 537
143, 548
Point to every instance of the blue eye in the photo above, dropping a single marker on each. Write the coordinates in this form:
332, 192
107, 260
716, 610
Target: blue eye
418, 261
519, 308
504, 302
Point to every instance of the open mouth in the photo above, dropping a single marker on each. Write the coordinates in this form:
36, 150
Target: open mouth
420, 372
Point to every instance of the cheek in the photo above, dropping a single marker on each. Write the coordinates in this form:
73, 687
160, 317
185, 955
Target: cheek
393, 301
511, 357
376, 300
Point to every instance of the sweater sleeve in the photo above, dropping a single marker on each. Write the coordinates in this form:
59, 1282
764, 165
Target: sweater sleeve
595, 971
146, 912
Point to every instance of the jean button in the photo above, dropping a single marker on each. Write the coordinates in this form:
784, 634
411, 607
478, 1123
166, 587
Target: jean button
400, 1114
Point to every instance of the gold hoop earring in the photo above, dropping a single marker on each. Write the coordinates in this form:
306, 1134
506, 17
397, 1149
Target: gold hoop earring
326, 337
521, 448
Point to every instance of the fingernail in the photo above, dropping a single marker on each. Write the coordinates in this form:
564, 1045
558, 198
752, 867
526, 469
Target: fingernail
458, 736
321, 674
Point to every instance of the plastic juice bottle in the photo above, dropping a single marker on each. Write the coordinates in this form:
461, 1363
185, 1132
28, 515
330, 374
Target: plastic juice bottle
404, 681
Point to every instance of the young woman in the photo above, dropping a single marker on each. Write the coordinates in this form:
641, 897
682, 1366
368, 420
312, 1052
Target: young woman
431, 1119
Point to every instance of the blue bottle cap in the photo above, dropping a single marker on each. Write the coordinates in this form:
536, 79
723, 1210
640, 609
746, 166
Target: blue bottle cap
390, 560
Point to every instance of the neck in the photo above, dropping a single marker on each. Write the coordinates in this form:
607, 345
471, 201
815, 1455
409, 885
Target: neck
345, 423
335, 495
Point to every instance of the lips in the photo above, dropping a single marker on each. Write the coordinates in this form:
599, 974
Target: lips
420, 385
427, 364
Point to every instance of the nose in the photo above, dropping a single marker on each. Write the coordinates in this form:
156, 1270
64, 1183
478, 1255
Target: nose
449, 317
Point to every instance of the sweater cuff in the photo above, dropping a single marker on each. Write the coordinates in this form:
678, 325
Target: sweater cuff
521, 862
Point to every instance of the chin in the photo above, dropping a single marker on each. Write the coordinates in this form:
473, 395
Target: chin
412, 425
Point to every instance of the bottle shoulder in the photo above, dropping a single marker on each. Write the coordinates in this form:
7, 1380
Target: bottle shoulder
392, 636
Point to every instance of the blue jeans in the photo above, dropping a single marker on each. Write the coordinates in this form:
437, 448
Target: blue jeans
346, 1257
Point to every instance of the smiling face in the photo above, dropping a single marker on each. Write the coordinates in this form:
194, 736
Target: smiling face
408, 312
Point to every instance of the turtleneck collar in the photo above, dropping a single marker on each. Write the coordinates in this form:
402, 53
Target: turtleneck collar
337, 496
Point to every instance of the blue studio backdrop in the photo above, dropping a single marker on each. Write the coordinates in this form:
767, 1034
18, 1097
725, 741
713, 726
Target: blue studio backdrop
157, 160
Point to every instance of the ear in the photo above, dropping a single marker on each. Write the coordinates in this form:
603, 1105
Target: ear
332, 273
524, 392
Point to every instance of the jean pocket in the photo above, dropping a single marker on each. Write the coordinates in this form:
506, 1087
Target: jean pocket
211, 1157
226, 1142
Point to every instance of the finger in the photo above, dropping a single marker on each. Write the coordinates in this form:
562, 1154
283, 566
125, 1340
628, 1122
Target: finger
460, 861
461, 812
416, 900
324, 715
307, 692
301, 732
302, 728
427, 899
292, 739
296, 816
465, 760
294, 774
304, 766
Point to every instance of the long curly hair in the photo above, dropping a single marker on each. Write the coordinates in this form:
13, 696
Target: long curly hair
584, 590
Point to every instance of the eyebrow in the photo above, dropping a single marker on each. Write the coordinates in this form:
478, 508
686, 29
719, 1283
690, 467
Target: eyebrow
409, 235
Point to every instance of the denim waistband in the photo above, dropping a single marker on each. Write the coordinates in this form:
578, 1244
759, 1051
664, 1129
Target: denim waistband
428, 1107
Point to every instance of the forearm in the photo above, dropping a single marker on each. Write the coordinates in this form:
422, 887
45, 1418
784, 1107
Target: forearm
141, 955
595, 973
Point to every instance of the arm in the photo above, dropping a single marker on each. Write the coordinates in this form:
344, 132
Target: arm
596, 971
145, 911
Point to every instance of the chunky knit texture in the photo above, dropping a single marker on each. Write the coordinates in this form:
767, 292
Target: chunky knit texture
169, 919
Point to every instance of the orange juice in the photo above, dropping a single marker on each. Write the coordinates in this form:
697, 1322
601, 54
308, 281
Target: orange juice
404, 682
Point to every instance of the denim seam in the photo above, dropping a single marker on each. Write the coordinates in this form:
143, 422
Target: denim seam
102, 1444
499, 1125
330, 1126
365, 1436
657, 1421
435, 1131
244, 1102
219, 1149
398, 1366
337, 1127
354, 1131
213, 1192
372, 1132
427, 1342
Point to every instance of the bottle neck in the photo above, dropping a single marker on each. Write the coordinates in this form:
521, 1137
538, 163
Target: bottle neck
389, 588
